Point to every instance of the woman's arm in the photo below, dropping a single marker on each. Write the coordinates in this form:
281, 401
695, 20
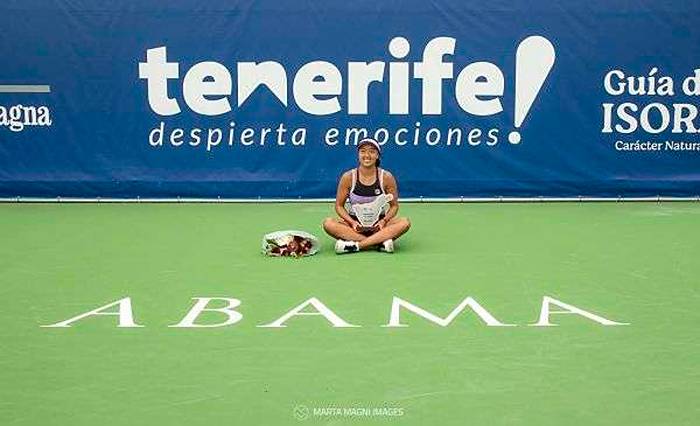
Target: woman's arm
391, 187
344, 186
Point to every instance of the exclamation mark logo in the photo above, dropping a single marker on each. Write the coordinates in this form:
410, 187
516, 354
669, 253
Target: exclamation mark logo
533, 61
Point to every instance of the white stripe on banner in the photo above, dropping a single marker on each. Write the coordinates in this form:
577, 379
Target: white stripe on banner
26, 88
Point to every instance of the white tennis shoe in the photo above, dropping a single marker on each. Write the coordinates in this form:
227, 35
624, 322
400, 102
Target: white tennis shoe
342, 247
387, 246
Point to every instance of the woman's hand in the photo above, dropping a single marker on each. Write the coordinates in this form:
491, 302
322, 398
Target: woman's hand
380, 225
356, 226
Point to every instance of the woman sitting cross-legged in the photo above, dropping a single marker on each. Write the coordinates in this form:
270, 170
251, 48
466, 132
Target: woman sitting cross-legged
363, 185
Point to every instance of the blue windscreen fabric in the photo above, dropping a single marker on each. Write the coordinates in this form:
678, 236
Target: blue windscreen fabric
268, 99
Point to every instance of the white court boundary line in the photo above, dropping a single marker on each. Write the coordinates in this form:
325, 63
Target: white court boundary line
330, 200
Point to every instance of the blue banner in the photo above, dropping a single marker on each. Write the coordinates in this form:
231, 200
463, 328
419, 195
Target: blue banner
268, 99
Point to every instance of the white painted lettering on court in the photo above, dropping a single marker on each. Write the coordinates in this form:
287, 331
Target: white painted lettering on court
546, 311
126, 317
201, 306
321, 309
398, 303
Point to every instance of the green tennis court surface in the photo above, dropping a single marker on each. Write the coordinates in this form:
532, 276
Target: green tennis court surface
633, 263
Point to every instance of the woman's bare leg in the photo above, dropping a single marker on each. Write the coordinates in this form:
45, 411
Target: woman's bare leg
337, 228
393, 230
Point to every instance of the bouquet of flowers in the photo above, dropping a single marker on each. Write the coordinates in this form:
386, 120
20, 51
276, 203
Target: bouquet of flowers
290, 243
